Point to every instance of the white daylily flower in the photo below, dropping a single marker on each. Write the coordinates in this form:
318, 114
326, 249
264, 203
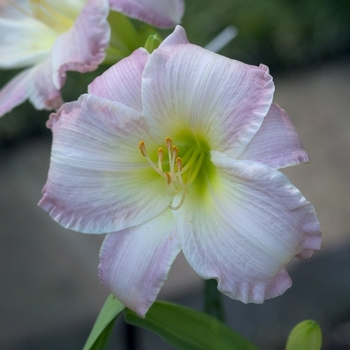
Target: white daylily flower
179, 150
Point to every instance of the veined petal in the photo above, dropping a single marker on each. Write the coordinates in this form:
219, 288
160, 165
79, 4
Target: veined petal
177, 37
159, 13
277, 143
247, 225
34, 83
135, 262
67, 8
185, 87
40, 88
82, 48
122, 82
14, 92
24, 42
98, 179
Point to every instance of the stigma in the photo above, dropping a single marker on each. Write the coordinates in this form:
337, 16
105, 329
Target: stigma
179, 173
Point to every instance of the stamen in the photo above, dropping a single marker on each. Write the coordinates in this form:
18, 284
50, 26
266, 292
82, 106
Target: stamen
143, 151
174, 178
160, 158
143, 148
167, 178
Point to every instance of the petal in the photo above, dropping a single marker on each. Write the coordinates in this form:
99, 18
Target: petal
41, 90
34, 83
82, 48
98, 180
178, 37
247, 225
14, 92
24, 42
159, 13
135, 262
185, 87
277, 143
122, 82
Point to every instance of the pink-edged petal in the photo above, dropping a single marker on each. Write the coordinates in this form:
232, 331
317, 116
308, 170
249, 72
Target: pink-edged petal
186, 87
159, 13
98, 180
277, 143
14, 92
135, 262
34, 84
122, 82
245, 227
82, 48
41, 90
178, 37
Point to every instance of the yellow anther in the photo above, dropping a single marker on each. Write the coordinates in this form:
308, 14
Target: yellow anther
168, 143
178, 163
175, 152
167, 178
160, 154
143, 148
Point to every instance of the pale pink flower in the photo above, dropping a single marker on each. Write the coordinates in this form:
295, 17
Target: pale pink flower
179, 150
50, 37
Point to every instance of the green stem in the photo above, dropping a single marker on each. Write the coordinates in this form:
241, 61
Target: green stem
213, 300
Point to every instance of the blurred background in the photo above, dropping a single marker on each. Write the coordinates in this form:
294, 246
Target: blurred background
50, 293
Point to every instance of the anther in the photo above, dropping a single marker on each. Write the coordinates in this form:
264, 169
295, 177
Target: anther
167, 178
178, 163
143, 148
160, 158
168, 143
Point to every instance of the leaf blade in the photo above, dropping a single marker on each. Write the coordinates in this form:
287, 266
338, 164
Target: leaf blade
188, 329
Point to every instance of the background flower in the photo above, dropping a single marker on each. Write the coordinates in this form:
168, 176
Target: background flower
53, 37
50, 39
224, 203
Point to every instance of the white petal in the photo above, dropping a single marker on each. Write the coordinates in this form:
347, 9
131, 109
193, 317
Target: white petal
24, 42
40, 88
14, 92
244, 227
185, 87
98, 179
122, 82
82, 48
277, 143
135, 262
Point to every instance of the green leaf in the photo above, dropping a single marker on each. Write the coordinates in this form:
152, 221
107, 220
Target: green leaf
213, 300
124, 38
102, 329
305, 335
189, 329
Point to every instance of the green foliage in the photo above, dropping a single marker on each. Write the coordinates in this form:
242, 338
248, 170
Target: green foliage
102, 329
188, 329
279, 33
305, 335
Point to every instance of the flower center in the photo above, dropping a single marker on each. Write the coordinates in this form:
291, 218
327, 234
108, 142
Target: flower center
181, 172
